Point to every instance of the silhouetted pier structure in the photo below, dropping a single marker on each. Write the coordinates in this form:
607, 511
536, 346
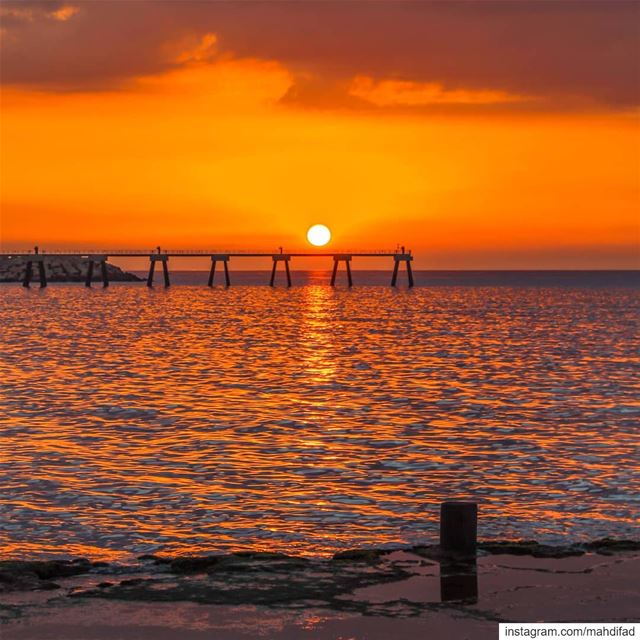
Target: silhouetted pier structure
158, 255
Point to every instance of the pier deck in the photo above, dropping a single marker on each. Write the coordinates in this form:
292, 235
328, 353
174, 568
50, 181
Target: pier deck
101, 256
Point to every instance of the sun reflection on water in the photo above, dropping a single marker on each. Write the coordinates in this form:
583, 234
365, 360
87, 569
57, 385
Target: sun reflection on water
193, 420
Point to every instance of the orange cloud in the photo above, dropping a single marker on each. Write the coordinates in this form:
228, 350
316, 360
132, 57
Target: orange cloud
65, 13
387, 93
205, 50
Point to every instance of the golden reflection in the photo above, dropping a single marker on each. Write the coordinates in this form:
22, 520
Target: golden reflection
310, 419
318, 326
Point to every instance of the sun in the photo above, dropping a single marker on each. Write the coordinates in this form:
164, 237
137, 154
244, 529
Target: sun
318, 235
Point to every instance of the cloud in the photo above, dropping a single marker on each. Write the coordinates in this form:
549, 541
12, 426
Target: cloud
569, 54
65, 13
204, 50
14, 13
385, 93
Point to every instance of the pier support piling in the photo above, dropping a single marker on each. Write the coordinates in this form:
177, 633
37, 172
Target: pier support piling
43, 274
105, 273
398, 258
28, 273
102, 261
227, 280
280, 257
89, 278
214, 260
459, 527
165, 273
157, 257
152, 267
347, 260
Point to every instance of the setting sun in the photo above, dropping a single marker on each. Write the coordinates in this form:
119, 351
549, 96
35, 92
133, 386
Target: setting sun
318, 235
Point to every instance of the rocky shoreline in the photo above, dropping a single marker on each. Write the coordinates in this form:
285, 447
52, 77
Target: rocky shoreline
26, 575
62, 270
409, 592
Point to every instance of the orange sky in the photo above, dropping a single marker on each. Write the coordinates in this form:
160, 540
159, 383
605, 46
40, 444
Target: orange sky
212, 151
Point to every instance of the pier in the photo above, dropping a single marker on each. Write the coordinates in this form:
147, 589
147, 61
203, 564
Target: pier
158, 255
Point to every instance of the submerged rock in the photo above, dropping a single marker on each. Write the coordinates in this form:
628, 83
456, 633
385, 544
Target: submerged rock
28, 575
529, 548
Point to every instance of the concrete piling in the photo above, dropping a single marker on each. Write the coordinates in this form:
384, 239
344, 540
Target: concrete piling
398, 258
152, 266
105, 273
42, 273
227, 280
279, 257
89, 278
224, 258
336, 260
28, 272
165, 271
212, 273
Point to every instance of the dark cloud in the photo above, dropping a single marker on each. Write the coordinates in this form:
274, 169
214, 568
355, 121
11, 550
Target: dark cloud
563, 52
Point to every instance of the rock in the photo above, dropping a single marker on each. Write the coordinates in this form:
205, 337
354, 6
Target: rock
61, 269
26, 575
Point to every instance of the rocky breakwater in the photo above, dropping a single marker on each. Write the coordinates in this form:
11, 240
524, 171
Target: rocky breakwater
60, 269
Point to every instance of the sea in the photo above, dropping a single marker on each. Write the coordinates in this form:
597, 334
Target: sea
313, 419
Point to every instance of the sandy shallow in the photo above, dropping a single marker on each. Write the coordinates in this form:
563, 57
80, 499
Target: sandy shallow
406, 595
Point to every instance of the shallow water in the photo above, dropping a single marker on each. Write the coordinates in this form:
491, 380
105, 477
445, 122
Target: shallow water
190, 420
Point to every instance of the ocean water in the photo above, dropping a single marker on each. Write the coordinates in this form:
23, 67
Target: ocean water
192, 420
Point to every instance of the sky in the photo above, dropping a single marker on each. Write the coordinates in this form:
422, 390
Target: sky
480, 134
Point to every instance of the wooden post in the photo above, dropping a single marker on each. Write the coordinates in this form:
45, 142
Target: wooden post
87, 282
43, 274
212, 273
152, 266
459, 527
28, 272
105, 273
349, 280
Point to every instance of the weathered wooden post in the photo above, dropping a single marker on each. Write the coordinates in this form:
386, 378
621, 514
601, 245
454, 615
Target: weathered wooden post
459, 527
